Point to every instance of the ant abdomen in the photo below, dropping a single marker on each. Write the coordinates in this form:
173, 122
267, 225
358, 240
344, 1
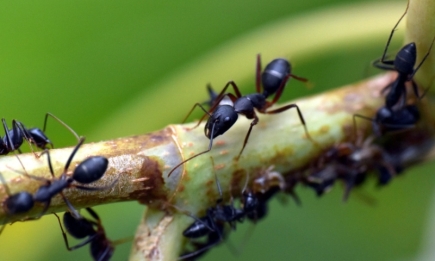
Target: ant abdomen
405, 59
90, 170
19, 203
199, 228
77, 227
274, 74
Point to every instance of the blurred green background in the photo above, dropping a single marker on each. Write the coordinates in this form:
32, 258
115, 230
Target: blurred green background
110, 68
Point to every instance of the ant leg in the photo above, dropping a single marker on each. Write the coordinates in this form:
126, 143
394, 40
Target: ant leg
278, 92
216, 103
25, 171
376, 130
20, 126
71, 208
50, 166
77, 147
382, 60
194, 156
219, 200
65, 238
422, 61
301, 118
253, 122
61, 122
258, 74
213, 239
94, 214
202, 118
9, 146
212, 94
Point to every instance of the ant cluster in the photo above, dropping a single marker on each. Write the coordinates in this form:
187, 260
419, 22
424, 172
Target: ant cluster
349, 162
88, 171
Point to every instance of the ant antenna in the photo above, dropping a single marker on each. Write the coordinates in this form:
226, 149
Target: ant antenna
392, 32
61, 122
194, 156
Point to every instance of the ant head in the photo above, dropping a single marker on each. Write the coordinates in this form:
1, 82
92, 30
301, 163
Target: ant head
20, 202
39, 138
405, 59
220, 121
90, 170
78, 227
273, 75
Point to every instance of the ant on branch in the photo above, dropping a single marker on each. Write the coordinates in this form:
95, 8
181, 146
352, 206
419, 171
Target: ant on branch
14, 137
101, 247
88, 171
212, 224
223, 116
17, 203
350, 162
403, 64
396, 115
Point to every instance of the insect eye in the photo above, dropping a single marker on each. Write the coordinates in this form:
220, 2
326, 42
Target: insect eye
227, 119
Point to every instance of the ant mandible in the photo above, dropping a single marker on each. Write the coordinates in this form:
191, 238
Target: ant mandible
223, 116
14, 137
403, 64
101, 247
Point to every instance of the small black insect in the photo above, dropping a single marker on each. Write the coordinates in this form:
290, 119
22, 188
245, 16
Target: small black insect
16, 203
101, 247
14, 137
223, 116
403, 64
88, 171
351, 162
392, 120
212, 225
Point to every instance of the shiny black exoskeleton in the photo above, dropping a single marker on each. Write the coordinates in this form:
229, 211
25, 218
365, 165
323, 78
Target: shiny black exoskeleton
16, 203
15, 137
200, 248
392, 120
88, 171
403, 64
212, 225
389, 120
101, 247
222, 116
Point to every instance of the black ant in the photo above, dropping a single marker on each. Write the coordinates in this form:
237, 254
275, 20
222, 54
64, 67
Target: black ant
351, 162
212, 224
222, 117
16, 203
392, 120
14, 137
101, 247
88, 171
403, 64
